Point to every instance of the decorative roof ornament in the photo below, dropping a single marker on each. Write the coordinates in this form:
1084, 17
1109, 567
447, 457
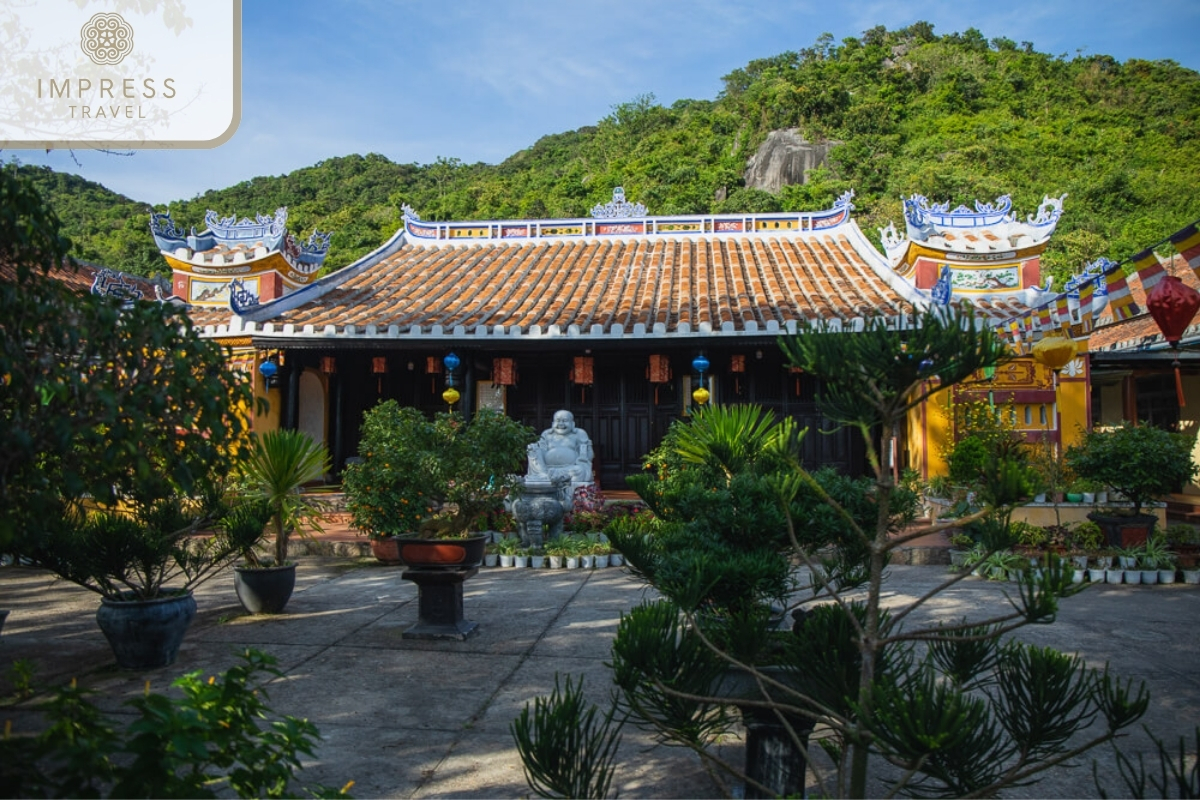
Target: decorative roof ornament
263, 228
110, 283
942, 290
924, 217
618, 208
1049, 211
166, 234
315, 249
407, 211
845, 200
241, 299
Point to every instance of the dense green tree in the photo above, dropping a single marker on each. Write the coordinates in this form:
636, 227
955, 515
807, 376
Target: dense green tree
100, 398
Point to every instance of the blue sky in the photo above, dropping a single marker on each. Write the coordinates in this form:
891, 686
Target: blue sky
479, 80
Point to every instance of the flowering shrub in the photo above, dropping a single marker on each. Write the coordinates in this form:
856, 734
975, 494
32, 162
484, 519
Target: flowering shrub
412, 467
388, 492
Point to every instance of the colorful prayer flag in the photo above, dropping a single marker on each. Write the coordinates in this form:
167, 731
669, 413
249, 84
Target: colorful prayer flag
1087, 293
1119, 298
1187, 244
1149, 271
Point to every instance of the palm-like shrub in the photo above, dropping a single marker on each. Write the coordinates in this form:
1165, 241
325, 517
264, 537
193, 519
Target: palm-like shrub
279, 464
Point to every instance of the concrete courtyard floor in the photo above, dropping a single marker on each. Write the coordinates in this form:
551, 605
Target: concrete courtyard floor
417, 719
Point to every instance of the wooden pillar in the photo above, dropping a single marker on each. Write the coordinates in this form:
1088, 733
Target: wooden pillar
1129, 410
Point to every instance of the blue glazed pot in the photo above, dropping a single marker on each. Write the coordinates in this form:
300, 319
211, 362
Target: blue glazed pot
146, 634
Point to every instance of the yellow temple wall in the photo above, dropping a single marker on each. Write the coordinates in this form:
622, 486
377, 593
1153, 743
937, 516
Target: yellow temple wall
1021, 388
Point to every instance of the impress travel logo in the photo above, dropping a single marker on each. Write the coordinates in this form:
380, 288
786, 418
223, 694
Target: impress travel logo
121, 73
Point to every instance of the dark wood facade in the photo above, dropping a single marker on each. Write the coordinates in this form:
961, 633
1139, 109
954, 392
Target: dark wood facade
624, 413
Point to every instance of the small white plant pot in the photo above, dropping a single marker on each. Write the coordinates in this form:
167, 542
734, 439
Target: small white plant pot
1089, 498
1077, 576
1104, 562
1039, 498
1128, 562
1080, 562
1133, 576
537, 562
491, 559
1113, 575
1191, 577
1149, 576
1102, 497
572, 562
616, 560
602, 561
555, 562
587, 562
521, 562
506, 561
1166, 576
1096, 575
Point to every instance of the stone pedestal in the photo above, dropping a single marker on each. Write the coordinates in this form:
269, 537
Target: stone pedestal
440, 604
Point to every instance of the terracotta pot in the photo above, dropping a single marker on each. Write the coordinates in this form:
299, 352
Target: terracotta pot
443, 553
386, 550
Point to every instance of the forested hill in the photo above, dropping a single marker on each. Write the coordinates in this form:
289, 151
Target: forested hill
953, 117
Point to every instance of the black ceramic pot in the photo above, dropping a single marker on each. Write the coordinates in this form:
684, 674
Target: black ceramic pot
146, 634
265, 590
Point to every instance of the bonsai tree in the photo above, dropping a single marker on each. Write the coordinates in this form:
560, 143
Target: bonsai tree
1139, 461
280, 463
951, 709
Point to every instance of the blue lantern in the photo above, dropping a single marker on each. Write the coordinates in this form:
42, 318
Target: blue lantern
700, 364
451, 361
270, 371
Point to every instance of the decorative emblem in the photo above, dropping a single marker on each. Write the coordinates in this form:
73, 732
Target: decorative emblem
106, 39
241, 299
110, 283
941, 290
1074, 369
617, 207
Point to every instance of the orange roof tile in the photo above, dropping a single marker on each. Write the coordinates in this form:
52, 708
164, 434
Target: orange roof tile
678, 285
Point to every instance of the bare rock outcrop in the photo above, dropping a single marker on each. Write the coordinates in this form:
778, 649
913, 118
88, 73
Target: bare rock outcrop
783, 159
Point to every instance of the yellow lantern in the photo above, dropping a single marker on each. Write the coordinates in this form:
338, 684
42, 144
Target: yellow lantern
701, 396
1054, 352
451, 396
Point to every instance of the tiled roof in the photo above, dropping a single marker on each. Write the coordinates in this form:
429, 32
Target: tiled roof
758, 283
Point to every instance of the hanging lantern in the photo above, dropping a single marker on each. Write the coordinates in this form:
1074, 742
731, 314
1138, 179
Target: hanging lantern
1173, 305
583, 370
659, 370
451, 361
1054, 352
701, 396
504, 372
451, 395
700, 364
270, 372
328, 365
379, 365
433, 365
737, 363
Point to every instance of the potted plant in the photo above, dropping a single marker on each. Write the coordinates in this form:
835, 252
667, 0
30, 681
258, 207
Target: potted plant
491, 556
1140, 462
537, 557
442, 475
557, 550
508, 548
277, 467
143, 560
1157, 558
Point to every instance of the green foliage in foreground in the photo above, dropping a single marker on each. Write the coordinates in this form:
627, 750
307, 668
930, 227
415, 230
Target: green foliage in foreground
218, 736
954, 117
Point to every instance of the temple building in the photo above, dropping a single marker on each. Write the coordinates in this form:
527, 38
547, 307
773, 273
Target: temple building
608, 317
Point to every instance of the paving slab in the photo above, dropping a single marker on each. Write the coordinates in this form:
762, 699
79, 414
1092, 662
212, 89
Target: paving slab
424, 719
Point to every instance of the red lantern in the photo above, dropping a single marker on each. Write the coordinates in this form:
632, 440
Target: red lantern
504, 371
328, 365
1173, 305
659, 370
583, 370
